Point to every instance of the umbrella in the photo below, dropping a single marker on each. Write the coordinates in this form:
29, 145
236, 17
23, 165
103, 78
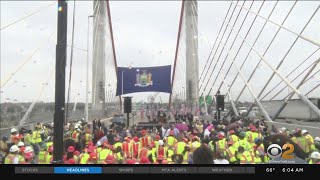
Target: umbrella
182, 127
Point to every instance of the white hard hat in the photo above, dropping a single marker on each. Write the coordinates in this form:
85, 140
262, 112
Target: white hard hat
79, 122
13, 130
317, 139
283, 129
78, 129
98, 143
280, 132
304, 131
315, 155
160, 142
28, 149
20, 144
52, 124
14, 148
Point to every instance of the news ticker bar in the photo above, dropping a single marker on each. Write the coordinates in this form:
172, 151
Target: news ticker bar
134, 170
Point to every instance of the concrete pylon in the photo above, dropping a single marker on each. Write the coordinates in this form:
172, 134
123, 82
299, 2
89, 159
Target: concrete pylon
99, 58
192, 63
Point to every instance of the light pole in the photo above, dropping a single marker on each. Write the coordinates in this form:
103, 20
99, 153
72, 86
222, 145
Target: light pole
87, 83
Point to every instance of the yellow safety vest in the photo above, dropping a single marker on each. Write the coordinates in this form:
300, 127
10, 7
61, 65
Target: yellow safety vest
247, 158
232, 154
180, 147
119, 156
246, 145
99, 150
170, 153
48, 159
84, 158
211, 146
186, 158
253, 136
9, 159
36, 136
88, 138
103, 155
27, 139
195, 145
171, 140
117, 144
233, 138
75, 136
157, 144
42, 157
302, 142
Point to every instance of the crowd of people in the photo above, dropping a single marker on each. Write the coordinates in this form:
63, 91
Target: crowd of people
238, 141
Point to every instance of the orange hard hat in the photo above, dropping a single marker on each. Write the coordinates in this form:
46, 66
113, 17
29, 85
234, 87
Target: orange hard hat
231, 131
253, 129
93, 156
157, 137
109, 159
76, 153
136, 139
143, 132
185, 140
144, 160
131, 161
50, 149
71, 161
28, 156
70, 149
105, 144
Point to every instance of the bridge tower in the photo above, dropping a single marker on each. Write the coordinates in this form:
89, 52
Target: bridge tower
192, 63
99, 58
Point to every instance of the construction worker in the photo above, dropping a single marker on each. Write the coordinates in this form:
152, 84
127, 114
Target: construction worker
145, 140
161, 151
36, 135
143, 152
110, 160
187, 155
152, 151
233, 138
117, 143
246, 157
195, 143
136, 145
92, 158
14, 157
170, 140
106, 150
243, 142
221, 145
303, 142
28, 157
42, 154
258, 151
120, 155
231, 152
76, 155
21, 148
4, 146
15, 138
84, 156
156, 141
170, 152
314, 158
49, 155
179, 147
28, 138
75, 135
309, 140
88, 136
253, 135
99, 148
126, 145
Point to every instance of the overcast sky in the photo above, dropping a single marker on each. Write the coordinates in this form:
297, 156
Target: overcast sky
145, 34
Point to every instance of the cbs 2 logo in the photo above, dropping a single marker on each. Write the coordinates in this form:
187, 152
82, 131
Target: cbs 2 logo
275, 151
